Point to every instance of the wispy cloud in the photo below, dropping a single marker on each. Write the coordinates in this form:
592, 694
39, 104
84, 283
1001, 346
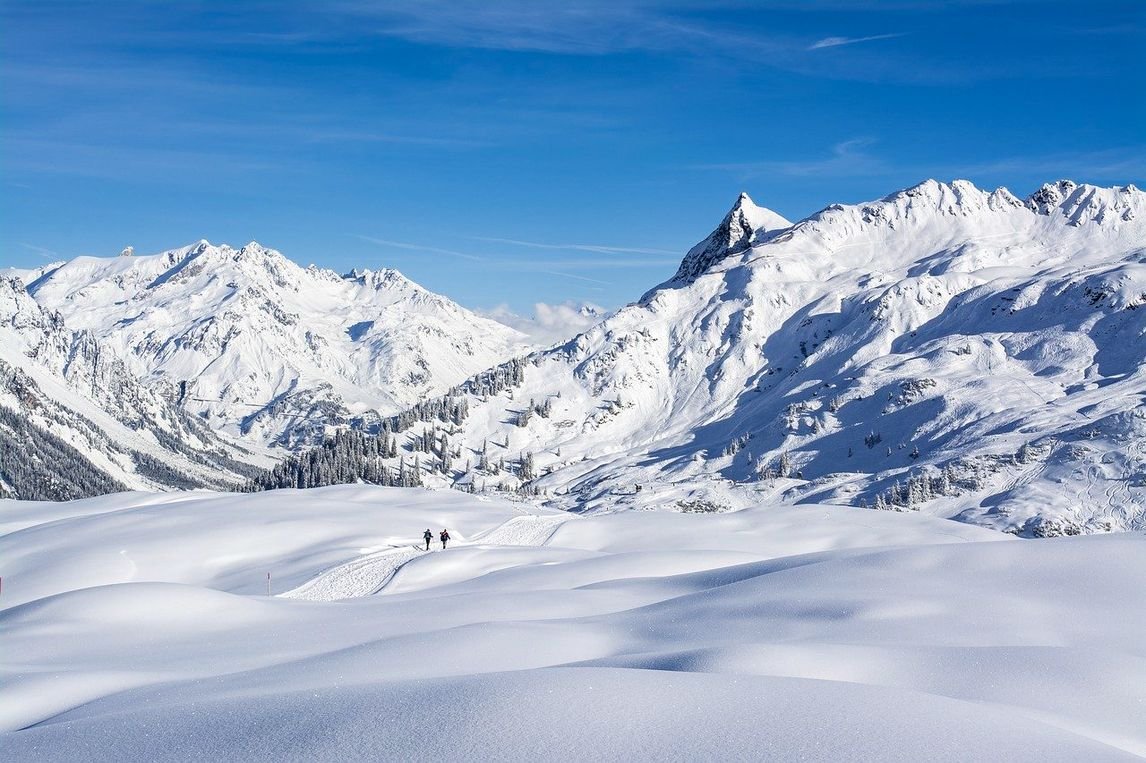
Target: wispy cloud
546, 265
40, 251
575, 277
835, 42
596, 248
610, 262
89, 157
846, 159
589, 27
419, 248
1120, 165
365, 136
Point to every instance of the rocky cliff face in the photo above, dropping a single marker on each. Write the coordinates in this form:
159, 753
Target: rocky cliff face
75, 421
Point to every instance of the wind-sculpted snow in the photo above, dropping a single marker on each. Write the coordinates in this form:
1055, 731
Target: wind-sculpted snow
270, 351
945, 349
786, 632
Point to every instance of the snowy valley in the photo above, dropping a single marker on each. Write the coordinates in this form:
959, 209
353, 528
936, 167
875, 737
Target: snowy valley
640, 381
718, 520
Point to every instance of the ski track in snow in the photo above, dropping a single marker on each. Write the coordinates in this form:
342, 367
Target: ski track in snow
369, 574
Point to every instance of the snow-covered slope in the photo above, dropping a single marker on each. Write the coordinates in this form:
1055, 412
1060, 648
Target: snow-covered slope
268, 350
962, 351
74, 421
775, 633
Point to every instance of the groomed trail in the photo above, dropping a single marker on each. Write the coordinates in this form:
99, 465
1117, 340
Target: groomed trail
369, 574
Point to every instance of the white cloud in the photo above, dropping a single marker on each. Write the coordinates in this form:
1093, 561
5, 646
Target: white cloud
40, 251
550, 324
848, 158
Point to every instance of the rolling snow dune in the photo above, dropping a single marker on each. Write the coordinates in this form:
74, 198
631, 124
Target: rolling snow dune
817, 632
569, 714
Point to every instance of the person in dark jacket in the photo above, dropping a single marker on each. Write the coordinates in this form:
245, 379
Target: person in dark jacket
445, 536
428, 536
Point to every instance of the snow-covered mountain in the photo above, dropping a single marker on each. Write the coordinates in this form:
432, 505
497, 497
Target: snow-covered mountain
265, 349
962, 352
74, 421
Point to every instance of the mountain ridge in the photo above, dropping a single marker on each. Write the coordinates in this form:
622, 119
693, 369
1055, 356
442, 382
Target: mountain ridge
944, 348
76, 420
266, 349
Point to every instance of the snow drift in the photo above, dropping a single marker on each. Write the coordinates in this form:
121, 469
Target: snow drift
805, 631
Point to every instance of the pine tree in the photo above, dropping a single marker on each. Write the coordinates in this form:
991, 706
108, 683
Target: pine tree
785, 467
914, 492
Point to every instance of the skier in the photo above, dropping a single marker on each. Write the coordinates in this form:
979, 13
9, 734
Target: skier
428, 536
445, 536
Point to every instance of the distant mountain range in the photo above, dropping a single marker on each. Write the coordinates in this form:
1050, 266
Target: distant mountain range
269, 351
946, 349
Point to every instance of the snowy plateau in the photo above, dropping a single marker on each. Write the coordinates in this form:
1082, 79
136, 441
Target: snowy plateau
717, 525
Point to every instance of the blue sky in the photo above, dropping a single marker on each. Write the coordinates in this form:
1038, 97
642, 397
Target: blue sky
521, 152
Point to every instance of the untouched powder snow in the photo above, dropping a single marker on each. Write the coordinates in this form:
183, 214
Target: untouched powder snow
137, 627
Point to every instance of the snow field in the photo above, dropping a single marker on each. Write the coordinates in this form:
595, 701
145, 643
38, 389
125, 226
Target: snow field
372, 573
810, 632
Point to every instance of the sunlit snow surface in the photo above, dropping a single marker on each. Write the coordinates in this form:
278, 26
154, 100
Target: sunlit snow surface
137, 627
